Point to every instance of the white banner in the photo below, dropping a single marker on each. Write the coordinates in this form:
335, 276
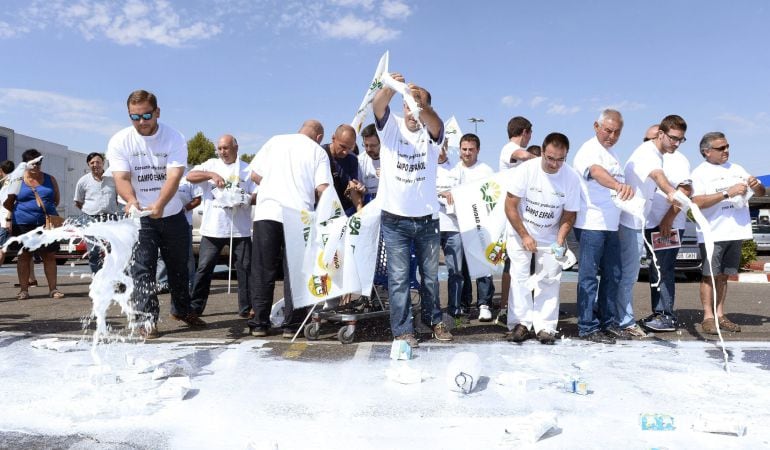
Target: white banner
374, 86
338, 254
480, 210
452, 132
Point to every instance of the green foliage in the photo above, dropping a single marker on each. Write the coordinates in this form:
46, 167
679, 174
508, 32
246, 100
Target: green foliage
748, 252
200, 149
246, 157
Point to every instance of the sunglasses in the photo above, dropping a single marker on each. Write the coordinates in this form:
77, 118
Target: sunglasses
722, 148
145, 116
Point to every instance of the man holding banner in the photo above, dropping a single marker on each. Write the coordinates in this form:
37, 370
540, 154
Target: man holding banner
409, 157
470, 169
295, 157
542, 202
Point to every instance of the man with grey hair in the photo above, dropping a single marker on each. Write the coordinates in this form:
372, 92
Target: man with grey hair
596, 227
721, 191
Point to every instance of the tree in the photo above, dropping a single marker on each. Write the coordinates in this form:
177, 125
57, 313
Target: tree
200, 149
246, 157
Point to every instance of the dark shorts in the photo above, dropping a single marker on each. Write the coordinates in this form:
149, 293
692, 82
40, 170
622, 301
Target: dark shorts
19, 229
726, 258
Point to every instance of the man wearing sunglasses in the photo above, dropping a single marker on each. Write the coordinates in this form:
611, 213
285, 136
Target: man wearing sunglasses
644, 173
721, 190
148, 160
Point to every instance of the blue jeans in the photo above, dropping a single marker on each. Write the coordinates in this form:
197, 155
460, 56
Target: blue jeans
485, 289
400, 233
598, 277
170, 235
662, 297
629, 267
208, 254
452, 247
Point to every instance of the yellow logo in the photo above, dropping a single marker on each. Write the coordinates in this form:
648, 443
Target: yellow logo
305, 217
495, 252
490, 192
333, 266
319, 285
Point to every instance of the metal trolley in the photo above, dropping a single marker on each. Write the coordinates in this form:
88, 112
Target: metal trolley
365, 307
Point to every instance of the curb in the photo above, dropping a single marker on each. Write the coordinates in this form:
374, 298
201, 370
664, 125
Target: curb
750, 278
759, 266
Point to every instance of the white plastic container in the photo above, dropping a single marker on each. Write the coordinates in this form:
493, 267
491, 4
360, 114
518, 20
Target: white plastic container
463, 372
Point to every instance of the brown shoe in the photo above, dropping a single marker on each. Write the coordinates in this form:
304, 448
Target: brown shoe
546, 338
441, 333
709, 326
149, 332
727, 325
520, 333
192, 320
409, 338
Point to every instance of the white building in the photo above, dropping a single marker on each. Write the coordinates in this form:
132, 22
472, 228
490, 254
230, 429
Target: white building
66, 165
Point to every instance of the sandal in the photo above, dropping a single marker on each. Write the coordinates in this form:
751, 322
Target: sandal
22, 295
30, 284
728, 325
709, 326
57, 294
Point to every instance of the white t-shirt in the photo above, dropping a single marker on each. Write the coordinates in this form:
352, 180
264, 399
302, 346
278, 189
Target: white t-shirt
598, 212
146, 158
476, 172
676, 166
186, 193
408, 168
216, 218
96, 196
292, 166
544, 197
642, 162
446, 179
505, 156
728, 223
367, 172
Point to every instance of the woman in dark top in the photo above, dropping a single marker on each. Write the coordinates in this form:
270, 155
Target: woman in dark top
28, 215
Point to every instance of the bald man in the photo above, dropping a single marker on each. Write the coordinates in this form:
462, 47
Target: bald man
219, 179
651, 133
292, 171
344, 168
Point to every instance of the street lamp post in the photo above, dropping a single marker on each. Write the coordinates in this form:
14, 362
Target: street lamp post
476, 121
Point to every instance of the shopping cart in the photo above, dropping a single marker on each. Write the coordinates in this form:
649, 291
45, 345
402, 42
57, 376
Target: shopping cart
366, 307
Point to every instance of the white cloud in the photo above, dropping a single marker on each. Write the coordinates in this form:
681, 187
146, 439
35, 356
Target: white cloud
760, 122
395, 9
536, 101
61, 111
560, 109
624, 106
134, 22
366, 4
510, 101
352, 27
10, 31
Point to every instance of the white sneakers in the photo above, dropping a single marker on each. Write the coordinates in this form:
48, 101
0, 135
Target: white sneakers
485, 315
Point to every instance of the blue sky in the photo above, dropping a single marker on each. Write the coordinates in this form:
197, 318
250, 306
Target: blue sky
259, 68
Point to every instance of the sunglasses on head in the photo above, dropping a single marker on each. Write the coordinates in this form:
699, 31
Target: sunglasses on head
145, 116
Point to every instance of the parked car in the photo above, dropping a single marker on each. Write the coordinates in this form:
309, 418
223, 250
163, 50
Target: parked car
688, 260
761, 233
69, 250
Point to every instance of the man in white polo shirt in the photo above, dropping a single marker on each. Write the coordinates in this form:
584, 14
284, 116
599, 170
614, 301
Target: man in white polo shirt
292, 170
95, 195
148, 160
227, 193
720, 189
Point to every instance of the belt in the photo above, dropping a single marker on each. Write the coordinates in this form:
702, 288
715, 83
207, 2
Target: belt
396, 216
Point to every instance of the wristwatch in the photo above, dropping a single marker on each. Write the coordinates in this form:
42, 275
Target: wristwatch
725, 195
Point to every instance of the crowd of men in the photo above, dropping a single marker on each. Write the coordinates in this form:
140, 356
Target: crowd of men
405, 163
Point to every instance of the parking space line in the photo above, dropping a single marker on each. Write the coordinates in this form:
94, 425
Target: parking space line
363, 351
